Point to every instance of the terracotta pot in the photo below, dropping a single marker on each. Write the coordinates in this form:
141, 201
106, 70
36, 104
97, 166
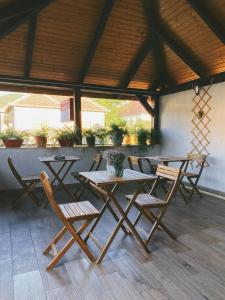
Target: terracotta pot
66, 143
41, 141
13, 143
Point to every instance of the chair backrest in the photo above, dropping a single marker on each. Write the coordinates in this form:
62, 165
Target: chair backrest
199, 158
96, 162
50, 195
135, 161
14, 170
171, 174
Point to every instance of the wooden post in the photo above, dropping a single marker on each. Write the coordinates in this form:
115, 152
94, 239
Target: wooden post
156, 119
77, 113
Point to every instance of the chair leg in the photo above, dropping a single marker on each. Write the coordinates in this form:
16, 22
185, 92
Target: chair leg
55, 240
194, 189
137, 218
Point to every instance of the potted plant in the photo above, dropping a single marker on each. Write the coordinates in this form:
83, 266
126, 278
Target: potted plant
117, 134
41, 136
142, 135
90, 137
101, 134
66, 136
115, 160
12, 138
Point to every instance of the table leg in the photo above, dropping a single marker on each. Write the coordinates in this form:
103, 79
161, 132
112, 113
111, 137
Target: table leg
123, 218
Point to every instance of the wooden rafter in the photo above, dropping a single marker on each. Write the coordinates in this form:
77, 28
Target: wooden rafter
97, 36
171, 40
209, 19
70, 85
15, 21
220, 77
30, 46
136, 62
144, 102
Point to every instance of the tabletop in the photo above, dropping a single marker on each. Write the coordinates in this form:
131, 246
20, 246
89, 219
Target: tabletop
103, 177
167, 158
48, 159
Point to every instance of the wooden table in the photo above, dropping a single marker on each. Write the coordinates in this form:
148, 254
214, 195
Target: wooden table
109, 184
66, 165
165, 160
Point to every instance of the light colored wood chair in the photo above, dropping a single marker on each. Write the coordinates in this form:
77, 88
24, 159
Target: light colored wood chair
137, 163
27, 183
193, 177
145, 203
96, 163
68, 214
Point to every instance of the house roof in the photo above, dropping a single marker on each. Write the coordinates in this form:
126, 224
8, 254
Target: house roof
46, 101
132, 108
136, 44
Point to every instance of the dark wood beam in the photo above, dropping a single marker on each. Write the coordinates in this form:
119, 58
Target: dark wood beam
77, 114
173, 41
144, 102
13, 23
220, 77
97, 36
145, 48
37, 82
30, 46
209, 18
156, 120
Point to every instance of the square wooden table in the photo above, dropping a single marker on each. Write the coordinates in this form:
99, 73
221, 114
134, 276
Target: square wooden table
165, 160
66, 164
109, 184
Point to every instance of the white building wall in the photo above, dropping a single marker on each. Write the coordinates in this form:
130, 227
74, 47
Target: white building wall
31, 118
91, 119
176, 116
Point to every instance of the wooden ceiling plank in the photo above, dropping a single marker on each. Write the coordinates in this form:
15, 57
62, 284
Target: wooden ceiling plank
173, 42
136, 62
13, 23
209, 19
30, 46
97, 36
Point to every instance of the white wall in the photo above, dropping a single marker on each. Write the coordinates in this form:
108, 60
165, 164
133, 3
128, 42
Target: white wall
176, 116
27, 163
92, 118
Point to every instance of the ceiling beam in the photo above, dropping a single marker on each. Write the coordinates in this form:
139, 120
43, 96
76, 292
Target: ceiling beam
144, 102
209, 18
220, 77
70, 85
173, 42
145, 48
97, 36
30, 46
11, 24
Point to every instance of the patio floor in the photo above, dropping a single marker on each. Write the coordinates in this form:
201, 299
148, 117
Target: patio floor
193, 267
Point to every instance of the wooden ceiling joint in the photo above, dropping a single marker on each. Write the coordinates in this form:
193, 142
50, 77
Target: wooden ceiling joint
144, 102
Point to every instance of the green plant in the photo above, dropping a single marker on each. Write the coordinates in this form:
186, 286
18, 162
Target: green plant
13, 135
90, 137
117, 129
115, 159
101, 134
143, 135
66, 136
43, 132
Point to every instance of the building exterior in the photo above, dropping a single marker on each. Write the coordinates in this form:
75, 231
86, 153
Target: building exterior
134, 113
31, 111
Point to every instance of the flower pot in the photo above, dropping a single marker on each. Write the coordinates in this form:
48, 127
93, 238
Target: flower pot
66, 143
133, 139
117, 139
13, 143
41, 141
142, 141
90, 141
127, 140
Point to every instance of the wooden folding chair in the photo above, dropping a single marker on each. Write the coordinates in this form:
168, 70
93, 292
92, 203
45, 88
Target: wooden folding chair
137, 163
145, 203
68, 214
83, 183
26, 182
193, 178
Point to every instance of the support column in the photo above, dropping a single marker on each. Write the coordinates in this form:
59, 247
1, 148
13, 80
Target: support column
156, 119
77, 113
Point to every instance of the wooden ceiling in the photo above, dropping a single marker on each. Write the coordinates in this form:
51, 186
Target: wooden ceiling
131, 45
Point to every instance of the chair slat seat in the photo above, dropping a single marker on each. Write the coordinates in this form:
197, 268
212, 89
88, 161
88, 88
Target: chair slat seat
146, 200
34, 178
189, 174
79, 210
